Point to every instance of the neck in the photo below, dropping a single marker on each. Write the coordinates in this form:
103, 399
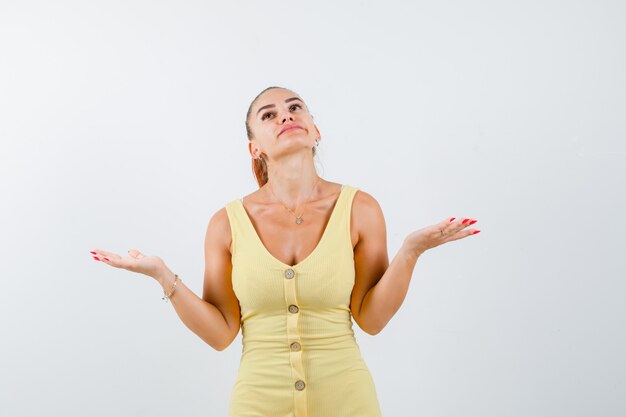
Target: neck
292, 179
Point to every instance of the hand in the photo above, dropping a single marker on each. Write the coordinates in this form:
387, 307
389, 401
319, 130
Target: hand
445, 231
149, 265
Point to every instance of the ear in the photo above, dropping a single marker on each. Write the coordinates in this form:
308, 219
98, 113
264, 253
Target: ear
318, 131
253, 149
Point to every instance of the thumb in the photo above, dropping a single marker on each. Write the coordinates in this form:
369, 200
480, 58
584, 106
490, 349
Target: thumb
135, 254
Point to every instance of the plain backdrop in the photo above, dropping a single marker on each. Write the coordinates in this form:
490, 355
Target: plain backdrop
122, 126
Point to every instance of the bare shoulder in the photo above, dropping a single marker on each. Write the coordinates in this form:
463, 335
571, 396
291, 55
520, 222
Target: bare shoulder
366, 214
218, 230
365, 201
218, 289
370, 252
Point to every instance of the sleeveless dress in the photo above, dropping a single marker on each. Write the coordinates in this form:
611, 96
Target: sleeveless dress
299, 355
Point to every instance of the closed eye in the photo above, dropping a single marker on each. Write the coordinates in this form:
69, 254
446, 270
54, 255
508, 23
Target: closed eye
273, 113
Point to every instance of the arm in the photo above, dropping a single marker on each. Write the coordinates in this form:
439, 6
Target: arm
215, 316
380, 287
384, 299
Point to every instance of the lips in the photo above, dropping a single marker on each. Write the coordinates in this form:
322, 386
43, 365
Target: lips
290, 127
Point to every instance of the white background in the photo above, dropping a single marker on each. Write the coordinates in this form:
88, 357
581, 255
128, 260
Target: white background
122, 126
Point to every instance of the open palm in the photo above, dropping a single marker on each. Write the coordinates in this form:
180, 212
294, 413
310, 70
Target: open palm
445, 231
135, 262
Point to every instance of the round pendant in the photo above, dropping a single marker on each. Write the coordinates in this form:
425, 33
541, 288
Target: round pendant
298, 220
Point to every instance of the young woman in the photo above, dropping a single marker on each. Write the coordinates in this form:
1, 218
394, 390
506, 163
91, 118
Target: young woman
291, 264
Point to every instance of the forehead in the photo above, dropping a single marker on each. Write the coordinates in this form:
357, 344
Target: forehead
274, 96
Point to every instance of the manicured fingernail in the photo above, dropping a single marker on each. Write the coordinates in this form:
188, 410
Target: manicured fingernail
106, 259
476, 231
92, 252
472, 222
96, 258
464, 220
452, 218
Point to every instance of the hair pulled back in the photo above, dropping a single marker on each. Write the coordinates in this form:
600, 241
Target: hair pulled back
259, 165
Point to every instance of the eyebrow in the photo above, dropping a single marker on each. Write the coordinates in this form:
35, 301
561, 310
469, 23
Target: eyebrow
272, 105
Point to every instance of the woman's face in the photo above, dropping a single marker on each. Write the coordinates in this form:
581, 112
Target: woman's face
274, 112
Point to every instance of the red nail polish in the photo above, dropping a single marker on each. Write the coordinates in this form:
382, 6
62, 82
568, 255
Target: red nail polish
96, 258
106, 259
472, 222
476, 231
464, 220
452, 219
92, 252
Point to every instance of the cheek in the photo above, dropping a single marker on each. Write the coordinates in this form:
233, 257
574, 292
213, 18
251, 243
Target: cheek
265, 134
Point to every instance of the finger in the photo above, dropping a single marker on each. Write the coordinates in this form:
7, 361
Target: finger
135, 254
119, 262
453, 228
445, 224
463, 223
100, 253
461, 235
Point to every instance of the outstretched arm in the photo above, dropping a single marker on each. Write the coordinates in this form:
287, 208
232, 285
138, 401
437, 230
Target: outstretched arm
215, 317
380, 287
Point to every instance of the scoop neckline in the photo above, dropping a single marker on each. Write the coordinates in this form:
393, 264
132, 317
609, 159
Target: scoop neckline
319, 243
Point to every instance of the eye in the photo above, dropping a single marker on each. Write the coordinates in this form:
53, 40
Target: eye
299, 106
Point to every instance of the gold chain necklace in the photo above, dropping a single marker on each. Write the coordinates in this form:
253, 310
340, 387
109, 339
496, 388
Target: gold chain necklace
298, 218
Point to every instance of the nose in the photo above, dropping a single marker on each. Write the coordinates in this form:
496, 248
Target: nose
286, 117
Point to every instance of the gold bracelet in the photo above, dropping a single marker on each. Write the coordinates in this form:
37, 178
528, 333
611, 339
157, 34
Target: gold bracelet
166, 297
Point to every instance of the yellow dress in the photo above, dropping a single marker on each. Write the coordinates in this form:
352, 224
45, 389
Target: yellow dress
299, 354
